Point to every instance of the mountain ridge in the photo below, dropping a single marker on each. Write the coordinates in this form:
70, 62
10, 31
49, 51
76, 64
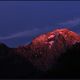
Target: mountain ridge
54, 42
44, 50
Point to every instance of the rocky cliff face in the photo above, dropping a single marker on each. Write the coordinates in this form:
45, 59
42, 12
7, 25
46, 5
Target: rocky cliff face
42, 53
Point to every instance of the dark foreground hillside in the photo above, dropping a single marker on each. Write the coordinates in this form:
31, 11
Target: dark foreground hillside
15, 66
68, 64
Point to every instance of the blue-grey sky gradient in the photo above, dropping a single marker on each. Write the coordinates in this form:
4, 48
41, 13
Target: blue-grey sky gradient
21, 21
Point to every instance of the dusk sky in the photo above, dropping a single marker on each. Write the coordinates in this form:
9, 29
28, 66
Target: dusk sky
21, 21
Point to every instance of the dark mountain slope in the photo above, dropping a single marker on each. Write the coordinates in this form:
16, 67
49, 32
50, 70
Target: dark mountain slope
68, 64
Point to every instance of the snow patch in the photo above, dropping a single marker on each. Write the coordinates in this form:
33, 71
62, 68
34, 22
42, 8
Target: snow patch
61, 32
52, 36
51, 43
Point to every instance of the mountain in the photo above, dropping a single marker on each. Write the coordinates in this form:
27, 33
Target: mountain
46, 48
50, 54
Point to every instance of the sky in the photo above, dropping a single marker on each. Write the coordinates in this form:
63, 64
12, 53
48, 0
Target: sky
21, 21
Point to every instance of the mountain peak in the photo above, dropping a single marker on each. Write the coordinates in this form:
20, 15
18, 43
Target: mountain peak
47, 47
66, 33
